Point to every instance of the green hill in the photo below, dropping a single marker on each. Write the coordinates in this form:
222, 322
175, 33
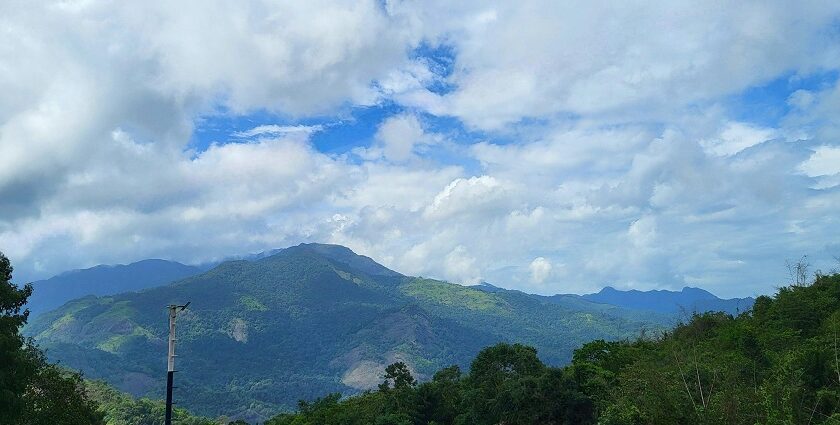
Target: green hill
307, 321
778, 364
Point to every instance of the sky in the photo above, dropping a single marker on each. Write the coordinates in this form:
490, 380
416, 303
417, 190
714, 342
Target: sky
551, 147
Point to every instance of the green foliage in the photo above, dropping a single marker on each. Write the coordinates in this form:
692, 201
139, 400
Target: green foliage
16, 370
779, 364
398, 377
32, 391
506, 384
442, 293
119, 408
312, 324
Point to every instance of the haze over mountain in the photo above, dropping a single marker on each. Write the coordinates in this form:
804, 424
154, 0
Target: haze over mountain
685, 302
309, 320
688, 300
105, 280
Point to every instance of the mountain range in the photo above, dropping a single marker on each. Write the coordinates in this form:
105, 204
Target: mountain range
306, 321
114, 279
105, 280
679, 304
686, 301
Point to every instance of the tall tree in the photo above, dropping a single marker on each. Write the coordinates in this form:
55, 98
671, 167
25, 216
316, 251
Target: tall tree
15, 368
32, 391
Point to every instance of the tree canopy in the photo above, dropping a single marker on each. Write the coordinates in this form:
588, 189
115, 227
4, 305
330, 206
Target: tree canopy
33, 391
777, 364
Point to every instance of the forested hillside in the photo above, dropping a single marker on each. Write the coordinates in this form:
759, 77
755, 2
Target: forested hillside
307, 321
775, 365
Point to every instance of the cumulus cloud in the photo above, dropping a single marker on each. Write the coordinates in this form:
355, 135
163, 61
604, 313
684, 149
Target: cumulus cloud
734, 138
540, 269
589, 145
461, 266
397, 139
825, 161
467, 196
625, 60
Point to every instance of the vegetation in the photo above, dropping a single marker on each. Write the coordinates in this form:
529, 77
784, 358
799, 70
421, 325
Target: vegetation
36, 392
32, 391
119, 408
775, 365
301, 322
308, 321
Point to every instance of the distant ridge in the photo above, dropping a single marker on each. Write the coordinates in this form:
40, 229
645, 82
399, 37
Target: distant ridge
688, 300
105, 280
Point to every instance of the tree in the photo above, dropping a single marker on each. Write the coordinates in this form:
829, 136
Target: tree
56, 396
503, 386
799, 275
398, 390
440, 399
15, 369
398, 375
32, 391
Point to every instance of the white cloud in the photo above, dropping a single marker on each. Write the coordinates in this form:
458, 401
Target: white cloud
825, 161
610, 148
397, 139
467, 196
736, 137
642, 233
461, 267
540, 269
278, 130
625, 60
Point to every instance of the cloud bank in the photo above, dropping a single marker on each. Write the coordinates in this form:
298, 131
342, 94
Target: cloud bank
534, 145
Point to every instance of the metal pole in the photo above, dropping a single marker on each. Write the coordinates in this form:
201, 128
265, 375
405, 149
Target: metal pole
170, 370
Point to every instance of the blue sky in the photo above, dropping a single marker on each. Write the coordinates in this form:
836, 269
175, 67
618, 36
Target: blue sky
535, 145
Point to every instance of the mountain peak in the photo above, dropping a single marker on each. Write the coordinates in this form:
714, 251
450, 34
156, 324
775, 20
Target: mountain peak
343, 255
487, 287
699, 292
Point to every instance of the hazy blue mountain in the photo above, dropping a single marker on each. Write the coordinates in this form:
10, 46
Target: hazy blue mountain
105, 280
666, 303
307, 321
688, 300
